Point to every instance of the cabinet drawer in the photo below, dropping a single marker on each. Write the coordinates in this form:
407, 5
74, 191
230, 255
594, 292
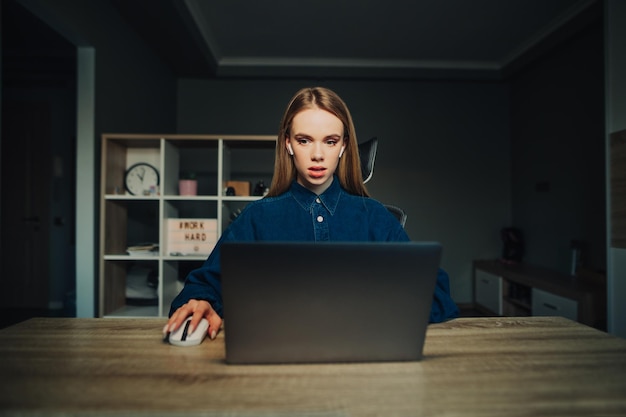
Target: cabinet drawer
488, 291
548, 304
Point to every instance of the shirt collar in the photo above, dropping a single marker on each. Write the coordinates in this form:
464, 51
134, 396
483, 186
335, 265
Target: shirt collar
306, 198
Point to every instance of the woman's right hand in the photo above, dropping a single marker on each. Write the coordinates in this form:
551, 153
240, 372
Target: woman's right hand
198, 309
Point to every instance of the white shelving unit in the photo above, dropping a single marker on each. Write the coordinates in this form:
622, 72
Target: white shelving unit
127, 219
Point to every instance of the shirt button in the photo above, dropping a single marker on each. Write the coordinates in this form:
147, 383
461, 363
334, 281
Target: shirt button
320, 219
317, 200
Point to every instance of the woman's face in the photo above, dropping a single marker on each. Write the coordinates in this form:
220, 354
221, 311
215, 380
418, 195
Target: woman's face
316, 143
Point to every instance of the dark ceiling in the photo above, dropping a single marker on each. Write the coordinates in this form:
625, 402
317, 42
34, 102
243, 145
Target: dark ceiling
365, 38
33, 54
415, 39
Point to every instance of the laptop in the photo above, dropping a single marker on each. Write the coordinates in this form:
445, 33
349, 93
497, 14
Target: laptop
306, 302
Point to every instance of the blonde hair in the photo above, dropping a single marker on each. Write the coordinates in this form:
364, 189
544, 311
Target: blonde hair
349, 168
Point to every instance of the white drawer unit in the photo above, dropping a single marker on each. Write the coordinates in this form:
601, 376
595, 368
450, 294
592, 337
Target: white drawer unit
488, 291
548, 304
520, 290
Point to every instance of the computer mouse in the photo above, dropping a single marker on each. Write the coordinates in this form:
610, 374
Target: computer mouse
182, 337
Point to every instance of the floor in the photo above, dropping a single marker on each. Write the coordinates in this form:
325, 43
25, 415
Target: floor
471, 312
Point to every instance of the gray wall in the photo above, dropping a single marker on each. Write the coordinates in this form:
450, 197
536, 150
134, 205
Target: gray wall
557, 131
443, 156
45, 80
616, 121
133, 92
464, 159
445, 150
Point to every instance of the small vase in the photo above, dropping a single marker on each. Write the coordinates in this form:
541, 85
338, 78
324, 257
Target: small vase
188, 187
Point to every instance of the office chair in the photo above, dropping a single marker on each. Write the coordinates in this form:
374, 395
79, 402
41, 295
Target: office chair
398, 212
367, 154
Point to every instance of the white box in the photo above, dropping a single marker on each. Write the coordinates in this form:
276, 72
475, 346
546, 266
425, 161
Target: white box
190, 237
488, 289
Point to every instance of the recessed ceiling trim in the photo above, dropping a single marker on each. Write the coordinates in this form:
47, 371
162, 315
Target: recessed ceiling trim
546, 31
375, 69
278, 62
490, 65
204, 28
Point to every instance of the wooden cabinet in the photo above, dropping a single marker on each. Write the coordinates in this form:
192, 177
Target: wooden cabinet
144, 282
488, 291
524, 290
548, 304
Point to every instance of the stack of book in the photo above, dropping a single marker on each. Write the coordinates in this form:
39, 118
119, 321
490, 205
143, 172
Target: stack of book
143, 249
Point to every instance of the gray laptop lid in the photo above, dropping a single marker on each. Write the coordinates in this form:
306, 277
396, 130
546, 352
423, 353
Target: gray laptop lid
299, 302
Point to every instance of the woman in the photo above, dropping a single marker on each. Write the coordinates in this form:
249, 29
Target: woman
317, 194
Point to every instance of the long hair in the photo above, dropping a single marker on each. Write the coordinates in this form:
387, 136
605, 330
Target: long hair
349, 168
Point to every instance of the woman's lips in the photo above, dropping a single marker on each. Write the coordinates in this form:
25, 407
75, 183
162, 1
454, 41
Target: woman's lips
317, 172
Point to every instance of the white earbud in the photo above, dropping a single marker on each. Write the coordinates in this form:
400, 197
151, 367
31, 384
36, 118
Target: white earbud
289, 149
343, 148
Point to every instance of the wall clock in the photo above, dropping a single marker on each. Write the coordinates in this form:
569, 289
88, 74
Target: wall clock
140, 178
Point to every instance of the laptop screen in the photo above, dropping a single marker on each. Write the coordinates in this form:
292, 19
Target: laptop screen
294, 302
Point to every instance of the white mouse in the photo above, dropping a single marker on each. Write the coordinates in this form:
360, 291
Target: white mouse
181, 336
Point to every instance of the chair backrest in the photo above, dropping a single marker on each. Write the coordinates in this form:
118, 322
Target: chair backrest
398, 212
367, 154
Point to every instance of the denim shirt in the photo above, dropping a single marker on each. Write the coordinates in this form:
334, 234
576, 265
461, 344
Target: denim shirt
296, 215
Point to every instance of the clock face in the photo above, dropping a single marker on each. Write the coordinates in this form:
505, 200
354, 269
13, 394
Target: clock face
140, 178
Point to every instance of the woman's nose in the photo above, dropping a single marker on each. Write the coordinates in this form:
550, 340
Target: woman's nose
317, 153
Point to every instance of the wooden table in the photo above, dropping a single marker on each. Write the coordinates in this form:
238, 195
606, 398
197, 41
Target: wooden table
542, 366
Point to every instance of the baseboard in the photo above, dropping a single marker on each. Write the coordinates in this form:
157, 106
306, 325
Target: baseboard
466, 306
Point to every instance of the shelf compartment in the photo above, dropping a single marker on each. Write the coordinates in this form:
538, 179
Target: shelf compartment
174, 274
231, 209
121, 153
130, 286
136, 221
516, 299
191, 156
247, 161
187, 242
189, 208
